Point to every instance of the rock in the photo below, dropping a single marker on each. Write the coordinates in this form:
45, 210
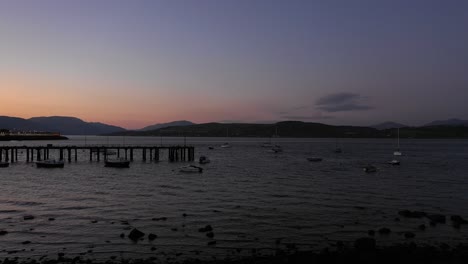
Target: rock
3, 232
184, 215
422, 227
436, 218
210, 234
61, 254
135, 235
211, 243
371, 232
26, 242
397, 219
159, 219
122, 235
364, 244
384, 231
153, 248
152, 237
174, 229
409, 235
94, 221
456, 219
207, 228
51, 219
28, 217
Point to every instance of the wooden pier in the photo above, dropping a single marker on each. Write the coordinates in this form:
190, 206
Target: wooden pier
95, 153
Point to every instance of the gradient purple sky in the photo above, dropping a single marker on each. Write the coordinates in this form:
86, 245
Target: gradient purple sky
134, 63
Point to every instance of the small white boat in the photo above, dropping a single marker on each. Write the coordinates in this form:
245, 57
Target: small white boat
50, 164
394, 162
370, 168
4, 164
314, 159
117, 163
226, 145
191, 169
203, 160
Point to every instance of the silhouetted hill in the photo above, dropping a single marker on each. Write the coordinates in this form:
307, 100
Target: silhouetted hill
15, 123
75, 126
284, 129
61, 124
300, 130
388, 125
448, 122
163, 125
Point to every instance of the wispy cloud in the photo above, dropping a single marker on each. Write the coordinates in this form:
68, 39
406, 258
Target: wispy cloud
341, 102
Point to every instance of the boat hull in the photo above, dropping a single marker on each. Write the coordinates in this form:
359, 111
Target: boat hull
50, 165
117, 164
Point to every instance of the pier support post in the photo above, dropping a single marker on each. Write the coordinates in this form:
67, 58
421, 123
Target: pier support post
98, 154
39, 155
76, 154
131, 154
90, 155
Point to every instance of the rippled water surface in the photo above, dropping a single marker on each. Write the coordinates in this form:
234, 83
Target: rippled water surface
255, 200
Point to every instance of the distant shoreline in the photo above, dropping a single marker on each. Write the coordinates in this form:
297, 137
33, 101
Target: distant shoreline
32, 137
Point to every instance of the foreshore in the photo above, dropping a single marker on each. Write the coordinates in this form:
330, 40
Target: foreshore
364, 250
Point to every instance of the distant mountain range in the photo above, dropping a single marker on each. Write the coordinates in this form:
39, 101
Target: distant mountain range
388, 125
448, 122
163, 125
74, 126
63, 125
297, 129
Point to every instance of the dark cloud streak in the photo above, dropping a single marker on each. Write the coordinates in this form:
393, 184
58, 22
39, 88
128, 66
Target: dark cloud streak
342, 102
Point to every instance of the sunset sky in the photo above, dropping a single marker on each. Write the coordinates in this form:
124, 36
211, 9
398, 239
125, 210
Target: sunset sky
134, 63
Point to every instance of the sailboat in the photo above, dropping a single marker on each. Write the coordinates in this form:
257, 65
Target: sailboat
226, 145
398, 152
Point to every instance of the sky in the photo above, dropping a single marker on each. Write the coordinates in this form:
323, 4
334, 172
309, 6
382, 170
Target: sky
139, 62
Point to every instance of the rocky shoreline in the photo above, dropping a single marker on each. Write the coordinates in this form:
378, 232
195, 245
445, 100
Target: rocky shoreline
364, 250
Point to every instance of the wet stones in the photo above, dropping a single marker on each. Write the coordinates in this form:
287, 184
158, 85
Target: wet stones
3, 232
384, 231
211, 243
210, 234
159, 218
436, 218
409, 235
365, 244
457, 221
51, 219
26, 242
422, 227
371, 232
135, 235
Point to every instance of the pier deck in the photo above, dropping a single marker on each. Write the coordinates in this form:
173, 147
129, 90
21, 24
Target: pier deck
95, 152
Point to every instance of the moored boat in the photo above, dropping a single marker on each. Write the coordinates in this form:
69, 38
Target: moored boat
370, 168
117, 163
394, 162
50, 164
191, 169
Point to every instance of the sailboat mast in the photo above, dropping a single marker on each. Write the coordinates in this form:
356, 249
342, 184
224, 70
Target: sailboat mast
398, 132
